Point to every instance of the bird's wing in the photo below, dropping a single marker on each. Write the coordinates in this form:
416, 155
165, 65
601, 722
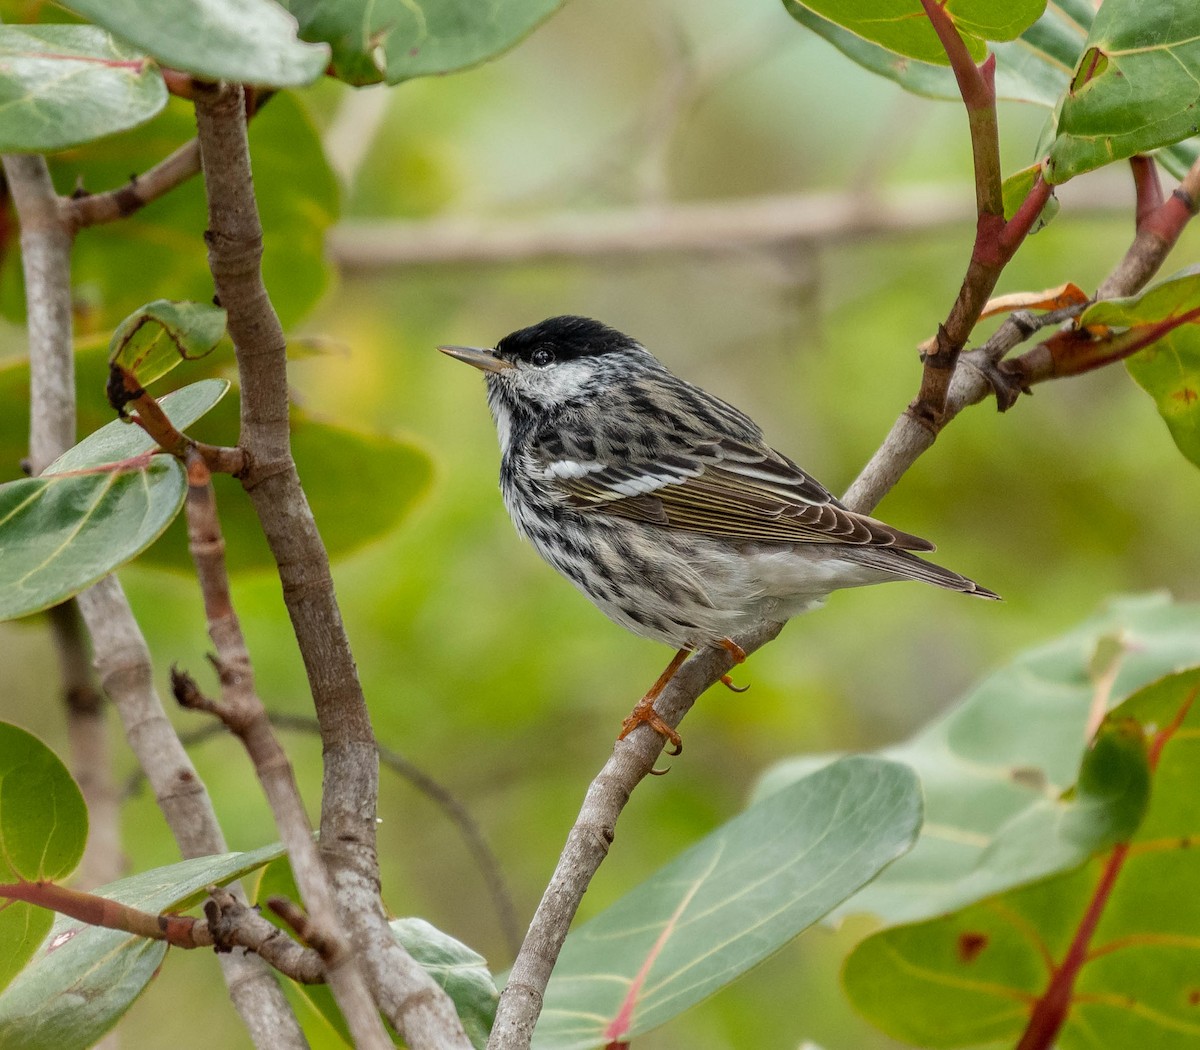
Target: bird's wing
735, 489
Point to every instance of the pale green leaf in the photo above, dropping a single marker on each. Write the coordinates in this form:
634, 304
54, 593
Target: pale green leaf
62, 85
249, 41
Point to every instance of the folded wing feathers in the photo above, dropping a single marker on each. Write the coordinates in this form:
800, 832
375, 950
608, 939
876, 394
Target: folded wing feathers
730, 489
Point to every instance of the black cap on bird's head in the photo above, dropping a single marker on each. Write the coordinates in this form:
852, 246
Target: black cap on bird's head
565, 338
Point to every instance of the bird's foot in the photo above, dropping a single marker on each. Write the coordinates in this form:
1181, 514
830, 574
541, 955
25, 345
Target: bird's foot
727, 682
644, 714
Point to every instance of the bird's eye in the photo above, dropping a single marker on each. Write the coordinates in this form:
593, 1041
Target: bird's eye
542, 357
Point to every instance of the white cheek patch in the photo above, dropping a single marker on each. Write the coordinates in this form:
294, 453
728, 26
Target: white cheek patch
549, 386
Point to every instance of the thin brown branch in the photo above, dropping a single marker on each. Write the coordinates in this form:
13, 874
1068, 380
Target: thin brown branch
1076, 351
232, 924
1147, 186
93, 209
989, 255
242, 711
228, 924
417, 1007
125, 393
1156, 236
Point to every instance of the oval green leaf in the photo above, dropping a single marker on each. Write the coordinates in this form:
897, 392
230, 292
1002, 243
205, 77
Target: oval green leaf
975, 976
393, 40
902, 27
43, 830
997, 770
158, 336
63, 85
83, 978
247, 41
1035, 67
461, 971
1134, 88
60, 533
726, 904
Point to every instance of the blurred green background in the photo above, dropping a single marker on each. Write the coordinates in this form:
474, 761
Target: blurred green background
499, 679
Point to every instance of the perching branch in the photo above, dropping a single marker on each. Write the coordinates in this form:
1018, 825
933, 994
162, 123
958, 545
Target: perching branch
242, 711
416, 1005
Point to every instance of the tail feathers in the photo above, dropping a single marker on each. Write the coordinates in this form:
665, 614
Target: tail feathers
905, 566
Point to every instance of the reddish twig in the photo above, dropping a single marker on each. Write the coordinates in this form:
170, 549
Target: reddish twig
179, 930
125, 393
995, 240
1147, 186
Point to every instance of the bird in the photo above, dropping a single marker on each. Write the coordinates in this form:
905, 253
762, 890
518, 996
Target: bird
664, 504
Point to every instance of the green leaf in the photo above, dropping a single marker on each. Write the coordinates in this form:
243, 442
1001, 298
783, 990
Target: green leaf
1134, 88
1178, 294
1029, 69
338, 465
1016, 188
997, 768
60, 533
461, 971
158, 336
1169, 369
158, 252
62, 85
83, 978
121, 440
250, 41
97, 506
43, 820
728, 903
902, 27
394, 40
43, 830
974, 976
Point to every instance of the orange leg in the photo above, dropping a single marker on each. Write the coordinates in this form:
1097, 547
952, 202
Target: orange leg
643, 712
739, 656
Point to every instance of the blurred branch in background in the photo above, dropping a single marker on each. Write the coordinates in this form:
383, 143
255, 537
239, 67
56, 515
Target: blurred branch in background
766, 222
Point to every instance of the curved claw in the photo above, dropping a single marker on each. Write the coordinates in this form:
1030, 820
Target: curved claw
656, 772
728, 683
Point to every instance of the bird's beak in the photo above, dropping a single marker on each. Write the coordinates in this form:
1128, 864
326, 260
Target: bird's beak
484, 360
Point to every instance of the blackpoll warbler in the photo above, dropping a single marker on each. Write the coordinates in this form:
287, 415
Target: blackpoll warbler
662, 503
